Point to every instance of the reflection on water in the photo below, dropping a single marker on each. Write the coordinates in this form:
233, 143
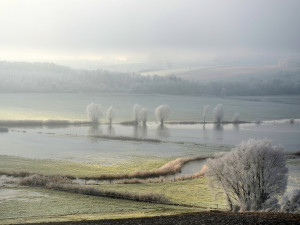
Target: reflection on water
218, 127
192, 167
94, 131
140, 131
236, 126
3, 130
144, 131
111, 131
162, 131
218, 132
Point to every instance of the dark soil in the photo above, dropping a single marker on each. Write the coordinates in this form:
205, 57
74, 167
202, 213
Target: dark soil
213, 217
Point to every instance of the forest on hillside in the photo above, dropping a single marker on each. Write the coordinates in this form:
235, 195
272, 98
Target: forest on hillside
49, 77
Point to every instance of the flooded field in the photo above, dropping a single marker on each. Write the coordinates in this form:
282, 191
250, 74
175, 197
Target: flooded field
84, 150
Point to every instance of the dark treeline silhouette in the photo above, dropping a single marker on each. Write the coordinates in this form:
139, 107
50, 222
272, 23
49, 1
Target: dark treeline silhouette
48, 77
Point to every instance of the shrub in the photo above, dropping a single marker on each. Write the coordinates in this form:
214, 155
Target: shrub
252, 173
290, 202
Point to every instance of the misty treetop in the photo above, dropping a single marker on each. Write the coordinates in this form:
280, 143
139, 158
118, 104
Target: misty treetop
140, 115
94, 112
218, 113
45, 77
162, 113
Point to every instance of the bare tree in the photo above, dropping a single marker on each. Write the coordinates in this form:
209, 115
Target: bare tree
143, 116
110, 114
205, 110
252, 173
218, 113
162, 113
135, 112
94, 112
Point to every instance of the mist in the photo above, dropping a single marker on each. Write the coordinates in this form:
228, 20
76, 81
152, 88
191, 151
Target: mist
129, 105
116, 35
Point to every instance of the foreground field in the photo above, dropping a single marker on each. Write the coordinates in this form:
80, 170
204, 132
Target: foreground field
212, 218
28, 205
196, 192
34, 205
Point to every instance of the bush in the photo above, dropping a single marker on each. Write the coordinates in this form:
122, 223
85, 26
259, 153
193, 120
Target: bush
290, 202
251, 174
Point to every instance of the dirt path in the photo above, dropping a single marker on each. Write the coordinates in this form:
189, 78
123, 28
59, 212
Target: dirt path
206, 218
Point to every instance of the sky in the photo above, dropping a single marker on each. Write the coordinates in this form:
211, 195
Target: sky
135, 31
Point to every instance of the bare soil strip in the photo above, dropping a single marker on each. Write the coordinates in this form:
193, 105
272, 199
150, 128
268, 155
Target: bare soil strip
212, 217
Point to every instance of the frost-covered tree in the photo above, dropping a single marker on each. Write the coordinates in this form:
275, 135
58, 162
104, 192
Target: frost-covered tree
205, 110
236, 118
162, 113
110, 115
251, 174
135, 112
143, 116
94, 112
218, 113
290, 202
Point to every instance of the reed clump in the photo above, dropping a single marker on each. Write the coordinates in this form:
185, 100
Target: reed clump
15, 174
201, 173
60, 183
124, 138
147, 197
37, 180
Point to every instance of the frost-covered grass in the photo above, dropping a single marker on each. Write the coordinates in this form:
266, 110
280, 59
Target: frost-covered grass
62, 184
140, 172
36, 204
50, 167
195, 192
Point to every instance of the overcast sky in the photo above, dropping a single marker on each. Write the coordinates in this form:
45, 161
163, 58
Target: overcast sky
140, 30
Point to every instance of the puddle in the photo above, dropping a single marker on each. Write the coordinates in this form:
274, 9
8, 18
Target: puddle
191, 168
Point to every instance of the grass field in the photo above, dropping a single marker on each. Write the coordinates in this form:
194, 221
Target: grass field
49, 167
195, 192
26, 205
36, 204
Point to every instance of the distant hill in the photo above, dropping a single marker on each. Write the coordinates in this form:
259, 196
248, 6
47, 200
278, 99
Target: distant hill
49, 77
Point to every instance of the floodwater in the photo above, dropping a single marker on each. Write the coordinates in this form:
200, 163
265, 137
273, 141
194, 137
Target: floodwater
78, 143
71, 106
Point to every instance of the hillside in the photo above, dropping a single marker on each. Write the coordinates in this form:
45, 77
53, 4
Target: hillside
48, 77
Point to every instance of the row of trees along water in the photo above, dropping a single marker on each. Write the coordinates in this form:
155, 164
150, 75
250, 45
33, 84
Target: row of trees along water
140, 115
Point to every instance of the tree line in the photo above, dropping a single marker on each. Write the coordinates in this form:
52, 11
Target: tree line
45, 77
